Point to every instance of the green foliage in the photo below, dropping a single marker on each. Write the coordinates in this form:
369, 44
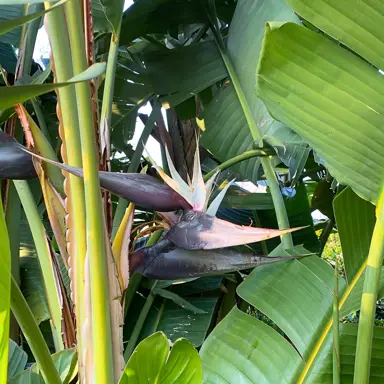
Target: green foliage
151, 361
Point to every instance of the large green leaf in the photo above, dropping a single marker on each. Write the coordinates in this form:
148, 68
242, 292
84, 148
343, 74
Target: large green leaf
227, 133
297, 296
179, 73
309, 282
321, 371
355, 220
5, 289
32, 286
173, 320
239, 350
7, 13
17, 359
10, 96
151, 362
109, 13
65, 362
332, 98
8, 58
10, 23
358, 24
226, 360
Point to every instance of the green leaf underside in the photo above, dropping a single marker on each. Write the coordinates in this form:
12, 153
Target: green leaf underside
9, 24
64, 362
17, 359
330, 97
299, 298
321, 371
227, 133
177, 322
167, 70
355, 220
297, 295
358, 24
239, 350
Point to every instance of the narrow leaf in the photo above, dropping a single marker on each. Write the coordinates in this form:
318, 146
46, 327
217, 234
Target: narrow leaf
10, 96
6, 26
177, 300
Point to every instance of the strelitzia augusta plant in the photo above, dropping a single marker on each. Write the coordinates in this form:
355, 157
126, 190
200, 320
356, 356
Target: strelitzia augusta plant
194, 244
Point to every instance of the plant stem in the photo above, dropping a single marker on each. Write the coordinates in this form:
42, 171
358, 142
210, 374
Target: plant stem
30, 38
102, 347
135, 161
43, 253
139, 324
109, 82
336, 339
237, 159
278, 201
57, 31
369, 298
32, 334
41, 119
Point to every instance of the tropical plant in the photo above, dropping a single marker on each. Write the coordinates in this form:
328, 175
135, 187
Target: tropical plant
110, 258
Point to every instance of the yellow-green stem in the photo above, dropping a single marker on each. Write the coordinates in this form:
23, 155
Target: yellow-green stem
43, 253
57, 32
101, 319
32, 334
109, 82
369, 299
336, 339
278, 201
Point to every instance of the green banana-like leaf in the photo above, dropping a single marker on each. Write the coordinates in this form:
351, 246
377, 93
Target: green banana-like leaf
152, 362
359, 24
297, 296
239, 351
17, 359
332, 98
251, 360
5, 291
9, 25
10, 96
109, 10
321, 371
32, 286
175, 321
179, 73
355, 220
7, 13
226, 130
65, 362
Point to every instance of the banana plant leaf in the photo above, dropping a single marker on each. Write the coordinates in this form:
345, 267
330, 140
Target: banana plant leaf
164, 261
152, 362
226, 130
